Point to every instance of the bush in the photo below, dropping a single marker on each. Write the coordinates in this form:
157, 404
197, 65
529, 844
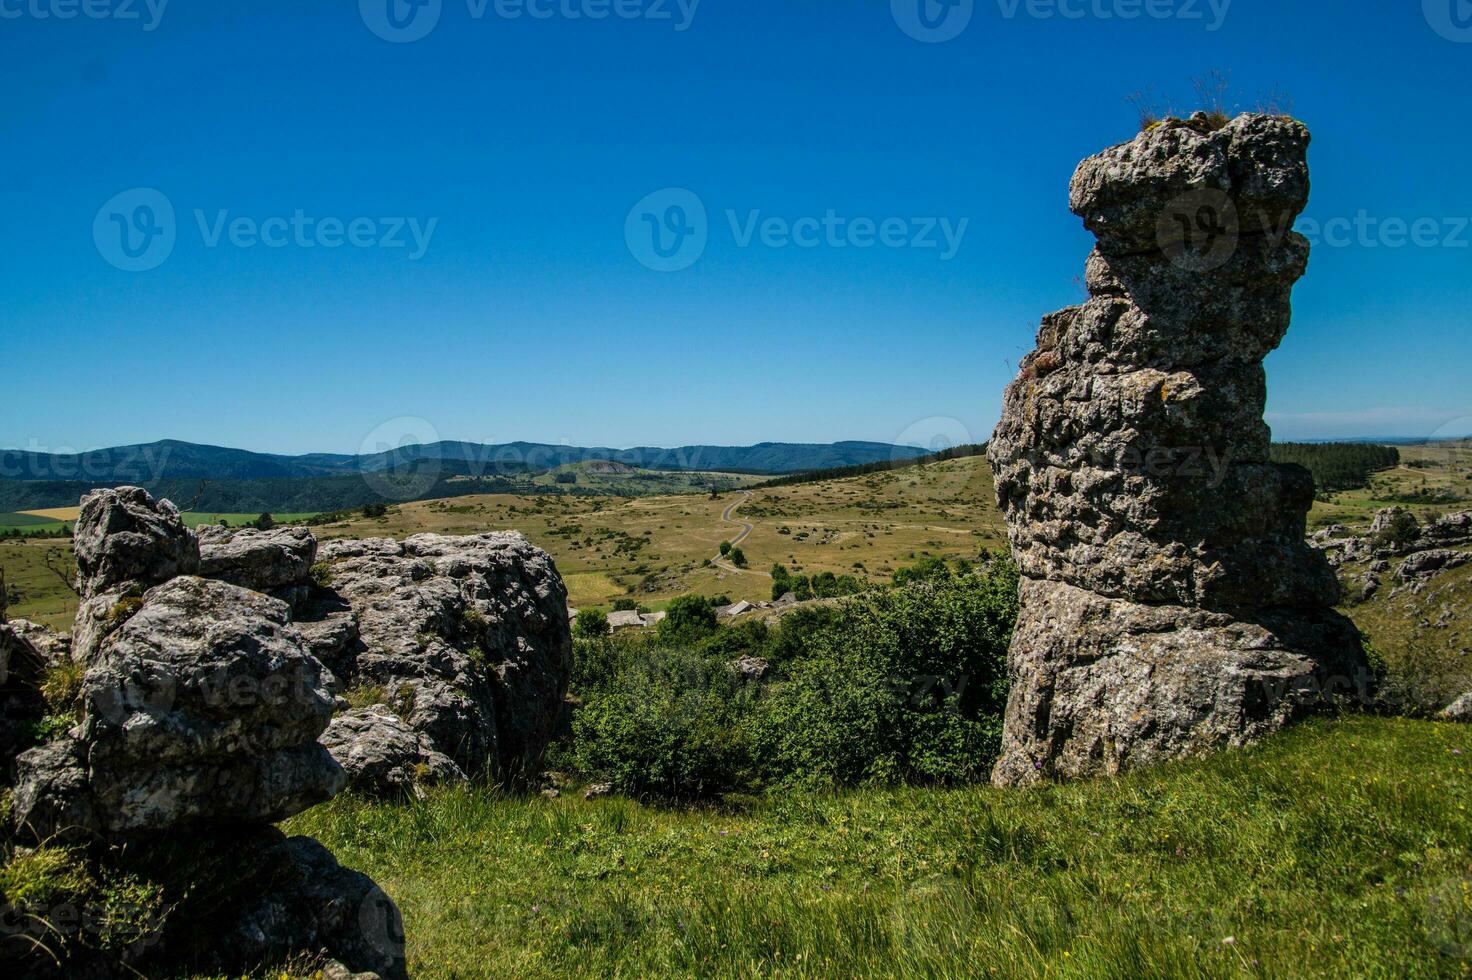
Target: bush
906, 685
590, 623
665, 723
689, 619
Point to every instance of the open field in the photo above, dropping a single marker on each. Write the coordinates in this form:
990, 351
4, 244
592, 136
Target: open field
655, 548
1430, 481
1340, 849
27, 522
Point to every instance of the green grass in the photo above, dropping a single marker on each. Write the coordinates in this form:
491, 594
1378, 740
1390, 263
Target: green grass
27, 521
1340, 849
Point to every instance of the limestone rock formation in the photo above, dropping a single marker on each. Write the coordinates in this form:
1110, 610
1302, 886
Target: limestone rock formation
125, 544
383, 756
205, 707
277, 562
27, 651
1460, 709
202, 706
1170, 604
467, 637
285, 897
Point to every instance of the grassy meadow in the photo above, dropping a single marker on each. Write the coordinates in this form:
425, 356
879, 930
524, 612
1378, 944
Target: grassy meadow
1341, 849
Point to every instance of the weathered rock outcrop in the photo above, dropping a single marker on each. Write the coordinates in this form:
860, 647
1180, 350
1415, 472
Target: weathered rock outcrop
204, 708
1460, 709
27, 651
125, 544
384, 756
467, 637
277, 562
1170, 602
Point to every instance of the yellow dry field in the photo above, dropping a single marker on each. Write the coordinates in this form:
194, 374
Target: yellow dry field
56, 513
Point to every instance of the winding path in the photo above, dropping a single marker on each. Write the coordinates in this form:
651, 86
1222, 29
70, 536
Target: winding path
746, 528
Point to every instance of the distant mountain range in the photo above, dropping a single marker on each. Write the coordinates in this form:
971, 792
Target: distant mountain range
238, 481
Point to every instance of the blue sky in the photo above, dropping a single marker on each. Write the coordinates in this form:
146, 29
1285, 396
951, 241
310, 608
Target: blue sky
520, 145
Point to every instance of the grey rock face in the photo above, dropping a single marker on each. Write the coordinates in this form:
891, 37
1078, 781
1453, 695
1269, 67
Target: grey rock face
277, 897
467, 636
125, 543
382, 756
1460, 709
26, 652
1170, 601
265, 561
53, 797
206, 706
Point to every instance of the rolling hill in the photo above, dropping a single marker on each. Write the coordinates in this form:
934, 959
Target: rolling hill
239, 480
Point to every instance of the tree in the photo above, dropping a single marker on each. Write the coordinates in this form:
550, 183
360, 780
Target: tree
265, 522
738, 557
725, 548
689, 618
591, 624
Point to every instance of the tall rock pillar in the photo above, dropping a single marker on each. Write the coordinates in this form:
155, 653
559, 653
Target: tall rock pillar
1170, 604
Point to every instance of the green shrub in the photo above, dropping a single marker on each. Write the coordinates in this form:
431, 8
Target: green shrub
590, 623
688, 619
665, 724
904, 685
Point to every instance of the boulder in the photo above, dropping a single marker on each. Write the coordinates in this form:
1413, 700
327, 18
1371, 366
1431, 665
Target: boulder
1171, 603
206, 707
1424, 564
468, 638
250, 896
53, 796
27, 652
125, 543
382, 756
266, 561
1459, 710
